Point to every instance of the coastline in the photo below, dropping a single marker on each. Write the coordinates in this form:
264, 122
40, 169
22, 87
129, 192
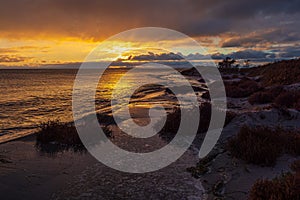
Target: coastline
78, 175
33, 174
21, 135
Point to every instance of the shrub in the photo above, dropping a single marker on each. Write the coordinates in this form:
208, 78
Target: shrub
284, 72
262, 145
260, 98
295, 166
266, 96
283, 187
257, 146
173, 121
287, 99
56, 136
242, 88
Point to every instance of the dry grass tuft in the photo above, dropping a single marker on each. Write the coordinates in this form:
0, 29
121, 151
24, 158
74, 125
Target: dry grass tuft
56, 136
242, 88
286, 186
262, 146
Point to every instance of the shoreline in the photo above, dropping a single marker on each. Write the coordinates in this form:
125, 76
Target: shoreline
72, 174
36, 175
18, 136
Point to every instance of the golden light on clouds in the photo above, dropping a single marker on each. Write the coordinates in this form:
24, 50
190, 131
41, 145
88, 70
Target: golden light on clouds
40, 52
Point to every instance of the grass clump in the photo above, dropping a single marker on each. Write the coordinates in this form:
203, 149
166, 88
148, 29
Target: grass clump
56, 136
284, 72
279, 98
286, 186
266, 96
242, 88
283, 187
262, 145
288, 99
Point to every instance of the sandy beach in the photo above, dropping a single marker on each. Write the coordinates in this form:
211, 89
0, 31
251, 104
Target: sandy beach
29, 174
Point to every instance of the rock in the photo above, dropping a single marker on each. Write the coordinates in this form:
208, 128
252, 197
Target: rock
219, 188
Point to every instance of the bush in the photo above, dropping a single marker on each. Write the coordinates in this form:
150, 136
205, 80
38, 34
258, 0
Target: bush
56, 136
287, 99
284, 72
283, 187
266, 96
295, 166
242, 88
262, 145
278, 96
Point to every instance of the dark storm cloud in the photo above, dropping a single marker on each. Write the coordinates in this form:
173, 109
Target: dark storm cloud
274, 36
240, 16
252, 23
98, 18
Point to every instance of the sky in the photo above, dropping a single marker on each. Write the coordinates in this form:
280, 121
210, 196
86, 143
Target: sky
46, 32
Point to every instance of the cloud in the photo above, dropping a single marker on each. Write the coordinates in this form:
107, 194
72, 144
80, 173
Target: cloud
152, 56
263, 38
241, 24
290, 52
252, 55
245, 54
100, 19
13, 58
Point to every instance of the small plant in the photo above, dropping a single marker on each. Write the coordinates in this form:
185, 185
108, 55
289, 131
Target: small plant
287, 99
266, 96
286, 186
263, 145
242, 88
295, 166
56, 136
283, 187
284, 72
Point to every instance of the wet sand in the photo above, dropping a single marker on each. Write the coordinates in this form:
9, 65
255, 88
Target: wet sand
30, 174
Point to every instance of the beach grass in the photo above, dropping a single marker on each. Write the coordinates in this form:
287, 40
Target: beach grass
285, 186
262, 145
242, 88
56, 136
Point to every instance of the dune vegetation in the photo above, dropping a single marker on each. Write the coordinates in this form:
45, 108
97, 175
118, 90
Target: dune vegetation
263, 145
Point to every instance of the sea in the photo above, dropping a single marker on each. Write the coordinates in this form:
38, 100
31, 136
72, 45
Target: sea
29, 97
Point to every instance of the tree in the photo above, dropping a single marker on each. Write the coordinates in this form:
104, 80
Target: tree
226, 63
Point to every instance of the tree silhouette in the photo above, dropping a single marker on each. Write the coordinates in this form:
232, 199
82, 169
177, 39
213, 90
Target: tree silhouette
227, 63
